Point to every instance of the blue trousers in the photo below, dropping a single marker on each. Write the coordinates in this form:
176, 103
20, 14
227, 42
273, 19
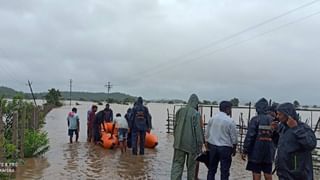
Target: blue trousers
135, 134
222, 154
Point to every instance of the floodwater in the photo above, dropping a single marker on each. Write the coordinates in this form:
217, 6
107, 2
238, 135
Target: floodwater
86, 161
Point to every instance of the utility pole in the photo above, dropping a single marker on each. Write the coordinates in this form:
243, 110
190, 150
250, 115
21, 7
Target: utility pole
34, 99
35, 103
108, 86
70, 90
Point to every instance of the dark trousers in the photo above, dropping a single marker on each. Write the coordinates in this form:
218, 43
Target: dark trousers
96, 133
129, 141
222, 154
135, 134
89, 132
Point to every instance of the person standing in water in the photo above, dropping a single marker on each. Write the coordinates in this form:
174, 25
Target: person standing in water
122, 125
73, 124
141, 123
91, 117
188, 140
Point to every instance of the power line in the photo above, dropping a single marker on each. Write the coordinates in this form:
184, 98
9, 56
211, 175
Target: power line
234, 44
227, 38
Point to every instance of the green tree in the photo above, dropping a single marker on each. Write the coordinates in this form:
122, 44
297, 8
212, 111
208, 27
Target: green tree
206, 102
296, 103
53, 97
214, 103
235, 102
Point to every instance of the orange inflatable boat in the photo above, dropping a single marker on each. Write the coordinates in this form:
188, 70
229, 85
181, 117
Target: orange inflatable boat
108, 142
109, 126
151, 140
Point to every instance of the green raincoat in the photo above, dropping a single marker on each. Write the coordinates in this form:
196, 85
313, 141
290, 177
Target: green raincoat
188, 139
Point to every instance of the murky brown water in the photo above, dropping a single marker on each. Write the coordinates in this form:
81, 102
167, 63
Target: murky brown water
86, 161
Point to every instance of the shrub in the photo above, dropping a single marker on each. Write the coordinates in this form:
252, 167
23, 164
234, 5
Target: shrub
36, 143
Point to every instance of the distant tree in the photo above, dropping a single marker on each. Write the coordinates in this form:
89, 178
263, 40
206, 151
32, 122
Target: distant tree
53, 97
235, 102
247, 104
113, 101
206, 102
214, 103
315, 106
129, 100
82, 99
296, 103
305, 106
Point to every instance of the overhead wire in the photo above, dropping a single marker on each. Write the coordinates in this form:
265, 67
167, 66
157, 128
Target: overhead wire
225, 39
233, 44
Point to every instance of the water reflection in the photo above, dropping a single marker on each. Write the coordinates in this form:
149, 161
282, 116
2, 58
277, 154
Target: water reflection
32, 168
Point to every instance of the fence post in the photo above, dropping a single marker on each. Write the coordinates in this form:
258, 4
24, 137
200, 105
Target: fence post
249, 114
36, 118
15, 129
22, 122
2, 156
168, 122
32, 120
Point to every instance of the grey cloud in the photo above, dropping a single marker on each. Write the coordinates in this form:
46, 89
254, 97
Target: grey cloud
133, 44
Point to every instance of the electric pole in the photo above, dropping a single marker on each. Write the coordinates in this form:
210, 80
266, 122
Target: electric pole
34, 99
70, 90
108, 86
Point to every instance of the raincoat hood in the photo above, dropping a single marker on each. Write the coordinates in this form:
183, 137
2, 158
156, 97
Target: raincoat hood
193, 101
139, 101
289, 110
262, 106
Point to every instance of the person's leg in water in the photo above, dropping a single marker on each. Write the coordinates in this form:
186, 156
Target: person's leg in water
121, 146
134, 140
197, 171
256, 176
70, 133
77, 135
142, 141
121, 139
125, 136
267, 176
125, 145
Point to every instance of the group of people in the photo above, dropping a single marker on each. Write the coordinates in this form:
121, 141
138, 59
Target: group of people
134, 125
275, 134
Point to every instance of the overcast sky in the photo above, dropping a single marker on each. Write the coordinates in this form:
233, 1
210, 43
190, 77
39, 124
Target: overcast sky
164, 48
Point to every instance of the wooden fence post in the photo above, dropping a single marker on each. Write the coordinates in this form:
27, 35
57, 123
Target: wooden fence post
15, 129
36, 118
22, 123
31, 120
2, 155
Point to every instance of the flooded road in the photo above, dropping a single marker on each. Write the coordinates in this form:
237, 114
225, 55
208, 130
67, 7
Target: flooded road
86, 161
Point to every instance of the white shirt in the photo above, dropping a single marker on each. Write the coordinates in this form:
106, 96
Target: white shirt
121, 122
221, 130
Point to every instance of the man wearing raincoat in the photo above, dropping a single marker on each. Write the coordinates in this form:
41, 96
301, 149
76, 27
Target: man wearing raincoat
140, 124
296, 142
188, 139
258, 144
